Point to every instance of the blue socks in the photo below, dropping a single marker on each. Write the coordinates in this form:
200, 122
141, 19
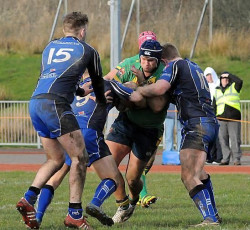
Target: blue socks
202, 200
103, 191
75, 210
31, 195
45, 198
209, 187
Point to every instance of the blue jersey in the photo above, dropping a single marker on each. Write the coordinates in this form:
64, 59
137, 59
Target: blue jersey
189, 88
63, 63
89, 114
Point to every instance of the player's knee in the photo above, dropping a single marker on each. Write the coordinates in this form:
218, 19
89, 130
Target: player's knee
81, 159
58, 162
185, 178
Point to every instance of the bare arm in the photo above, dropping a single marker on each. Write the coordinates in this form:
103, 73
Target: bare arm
156, 89
111, 74
157, 104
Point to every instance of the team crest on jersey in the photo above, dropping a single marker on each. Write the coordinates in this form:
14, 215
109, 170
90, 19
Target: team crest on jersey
121, 72
152, 80
81, 113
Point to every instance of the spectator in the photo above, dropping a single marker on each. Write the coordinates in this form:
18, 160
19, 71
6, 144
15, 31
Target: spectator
213, 82
169, 129
227, 107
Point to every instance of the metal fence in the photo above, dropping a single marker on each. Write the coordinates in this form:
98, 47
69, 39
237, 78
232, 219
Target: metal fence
16, 128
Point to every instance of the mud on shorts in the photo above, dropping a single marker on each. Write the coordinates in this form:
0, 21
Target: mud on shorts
52, 118
200, 133
142, 141
95, 146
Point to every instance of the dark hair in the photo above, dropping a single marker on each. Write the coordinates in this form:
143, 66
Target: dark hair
169, 51
74, 21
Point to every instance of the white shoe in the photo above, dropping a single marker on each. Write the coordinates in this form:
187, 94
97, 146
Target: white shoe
122, 215
207, 222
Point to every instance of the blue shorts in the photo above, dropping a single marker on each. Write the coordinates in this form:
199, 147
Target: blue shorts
52, 118
142, 141
200, 133
95, 145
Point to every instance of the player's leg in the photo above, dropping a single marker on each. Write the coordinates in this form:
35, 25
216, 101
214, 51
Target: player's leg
47, 191
125, 209
193, 156
134, 171
74, 145
119, 141
104, 164
40, 110
54, 162
72, 142
146, 199
192, 163
110, 176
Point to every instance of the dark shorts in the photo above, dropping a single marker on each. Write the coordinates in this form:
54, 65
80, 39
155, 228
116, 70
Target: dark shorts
142, 141
200, 134
95, 145
52, 118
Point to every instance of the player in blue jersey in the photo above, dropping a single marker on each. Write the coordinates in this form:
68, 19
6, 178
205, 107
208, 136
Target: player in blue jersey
187, 84
91, 118
64, 61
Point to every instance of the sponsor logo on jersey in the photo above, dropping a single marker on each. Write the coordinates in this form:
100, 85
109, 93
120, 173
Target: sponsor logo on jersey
48, 75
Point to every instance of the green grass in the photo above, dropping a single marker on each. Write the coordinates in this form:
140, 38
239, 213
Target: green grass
19, 73
173, 210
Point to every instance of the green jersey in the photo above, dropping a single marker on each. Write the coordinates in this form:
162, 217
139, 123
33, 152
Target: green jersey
142, 117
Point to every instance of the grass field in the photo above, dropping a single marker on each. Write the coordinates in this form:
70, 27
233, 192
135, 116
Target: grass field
173, 210
19, 73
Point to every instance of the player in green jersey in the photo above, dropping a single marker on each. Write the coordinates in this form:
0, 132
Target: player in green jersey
133, 63
138, 131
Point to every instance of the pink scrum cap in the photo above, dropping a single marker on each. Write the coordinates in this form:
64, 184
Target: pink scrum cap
146, 35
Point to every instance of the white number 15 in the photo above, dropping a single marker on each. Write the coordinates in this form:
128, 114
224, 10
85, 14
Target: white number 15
62, 51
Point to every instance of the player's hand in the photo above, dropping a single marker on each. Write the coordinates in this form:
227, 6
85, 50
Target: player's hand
87, 88
138, 73
131, 85
109, 98
136, 96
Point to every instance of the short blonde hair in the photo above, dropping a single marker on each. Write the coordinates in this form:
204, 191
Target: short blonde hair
170, 51
74, 21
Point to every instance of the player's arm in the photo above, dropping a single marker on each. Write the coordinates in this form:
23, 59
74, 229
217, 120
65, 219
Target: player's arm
157, 104
156, 89
111, 75
95, 73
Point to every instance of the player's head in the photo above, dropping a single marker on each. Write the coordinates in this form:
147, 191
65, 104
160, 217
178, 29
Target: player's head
169, 52
150, 50
75, 24
146, 35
